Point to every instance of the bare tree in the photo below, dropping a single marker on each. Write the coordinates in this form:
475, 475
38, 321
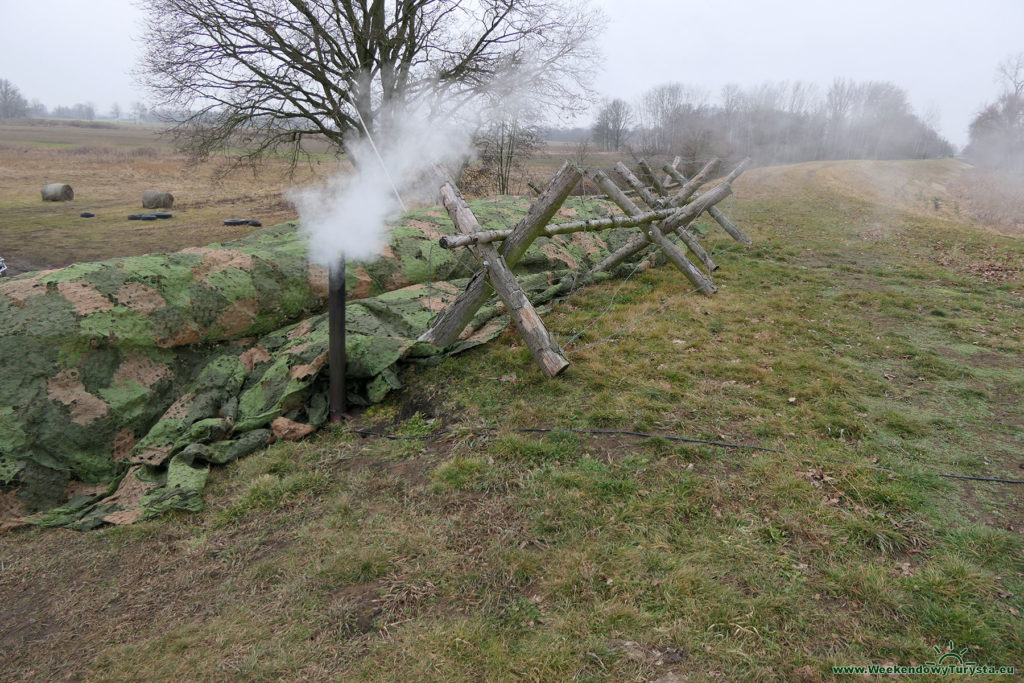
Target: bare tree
666, 113
612, 126
139, 111
37, 109
997, 132
264, 74
12, 104
504, 145
1010, 74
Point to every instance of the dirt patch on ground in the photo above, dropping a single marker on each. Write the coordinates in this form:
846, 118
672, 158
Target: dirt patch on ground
11, 508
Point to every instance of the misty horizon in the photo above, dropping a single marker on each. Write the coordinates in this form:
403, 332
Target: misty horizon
944, 53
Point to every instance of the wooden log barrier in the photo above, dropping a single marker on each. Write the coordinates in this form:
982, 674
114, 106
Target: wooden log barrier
677, 257
714, 211
655, 183
454, 319
688, 188
543, 347
589, 225
645, 194
668, 180
680, 219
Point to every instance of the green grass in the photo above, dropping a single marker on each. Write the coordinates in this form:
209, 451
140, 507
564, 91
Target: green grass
501, 555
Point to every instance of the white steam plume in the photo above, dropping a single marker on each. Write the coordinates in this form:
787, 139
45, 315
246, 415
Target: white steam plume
346, 216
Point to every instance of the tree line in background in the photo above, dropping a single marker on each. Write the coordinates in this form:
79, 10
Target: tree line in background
773, 123
997, 132
14, 105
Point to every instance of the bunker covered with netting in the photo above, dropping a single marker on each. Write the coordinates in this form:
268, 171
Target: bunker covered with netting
126, 380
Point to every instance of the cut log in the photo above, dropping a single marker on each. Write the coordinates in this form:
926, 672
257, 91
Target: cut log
634, 246
645, 194
541, 211
714, 211
616, 194
668, 179
57, 192
543, 347
691, 242
727, 225
154, 199
454, 319
655, 183
676, 255
637, 244
589, 225
689, 187
687, 214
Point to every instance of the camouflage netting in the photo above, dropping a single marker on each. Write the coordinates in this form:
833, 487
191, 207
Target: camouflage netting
125, 380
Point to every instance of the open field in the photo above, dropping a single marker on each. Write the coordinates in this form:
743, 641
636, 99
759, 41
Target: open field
871, 336
109, 167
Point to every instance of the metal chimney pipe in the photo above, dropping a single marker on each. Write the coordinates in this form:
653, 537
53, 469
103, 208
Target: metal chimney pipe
336, 331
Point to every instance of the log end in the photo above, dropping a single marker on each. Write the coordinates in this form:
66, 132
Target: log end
553, 364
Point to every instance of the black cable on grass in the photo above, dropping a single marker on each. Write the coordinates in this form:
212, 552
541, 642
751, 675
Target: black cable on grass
937, 474
684, 439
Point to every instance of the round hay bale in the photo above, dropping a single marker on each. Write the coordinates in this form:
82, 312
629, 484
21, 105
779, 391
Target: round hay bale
58, 192
154, 199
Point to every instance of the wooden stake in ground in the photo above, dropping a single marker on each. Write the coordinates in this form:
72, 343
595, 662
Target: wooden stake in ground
454, 319
543, 347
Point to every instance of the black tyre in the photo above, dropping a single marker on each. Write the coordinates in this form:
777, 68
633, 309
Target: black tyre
87, 214
256, 224
135, 217
236, 221
147, 217
163, 214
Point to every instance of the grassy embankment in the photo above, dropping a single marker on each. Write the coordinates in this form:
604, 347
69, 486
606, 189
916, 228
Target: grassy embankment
870, 326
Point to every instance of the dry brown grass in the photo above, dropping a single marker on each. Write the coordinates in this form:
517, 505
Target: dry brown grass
993, 198
109, 168
110, 165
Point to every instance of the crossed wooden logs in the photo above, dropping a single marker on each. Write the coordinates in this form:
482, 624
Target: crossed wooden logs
673, 204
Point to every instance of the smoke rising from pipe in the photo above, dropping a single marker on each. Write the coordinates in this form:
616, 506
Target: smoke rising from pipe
346, 216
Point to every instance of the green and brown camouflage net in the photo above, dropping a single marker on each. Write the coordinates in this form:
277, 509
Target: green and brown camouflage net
125, 380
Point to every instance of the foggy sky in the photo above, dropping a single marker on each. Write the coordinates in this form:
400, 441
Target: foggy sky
943, 52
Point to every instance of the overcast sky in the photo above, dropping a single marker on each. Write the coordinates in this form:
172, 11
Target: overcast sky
943, 52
